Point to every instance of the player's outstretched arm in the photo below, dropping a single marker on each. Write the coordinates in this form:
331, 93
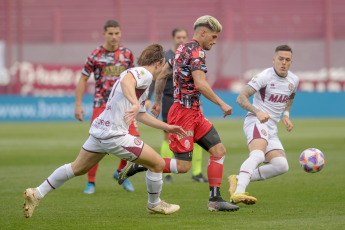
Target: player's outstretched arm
159, 88
78, 110
204, 88
286, 120
149, 120
128, 84
243, 101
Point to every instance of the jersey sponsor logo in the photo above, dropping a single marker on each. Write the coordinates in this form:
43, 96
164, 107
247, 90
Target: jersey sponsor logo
99, 121
189, 133
137, 141
278, 98
113, 70
201, 54
138, 74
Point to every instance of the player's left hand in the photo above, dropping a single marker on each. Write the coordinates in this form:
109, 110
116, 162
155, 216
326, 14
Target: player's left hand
156, 109
227, 109
131, 114
175, 129
288, 124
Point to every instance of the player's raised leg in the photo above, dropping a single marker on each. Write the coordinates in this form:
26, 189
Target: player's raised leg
84, 162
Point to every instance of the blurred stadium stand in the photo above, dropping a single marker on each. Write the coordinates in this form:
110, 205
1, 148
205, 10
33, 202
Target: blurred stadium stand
62, 33
44, 43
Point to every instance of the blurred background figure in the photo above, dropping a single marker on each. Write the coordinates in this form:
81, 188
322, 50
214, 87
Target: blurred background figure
106, 62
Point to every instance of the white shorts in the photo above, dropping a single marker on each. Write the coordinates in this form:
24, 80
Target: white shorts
253, 129
126, 147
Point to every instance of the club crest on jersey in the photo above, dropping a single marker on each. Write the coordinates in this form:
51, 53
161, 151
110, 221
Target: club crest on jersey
263, 132
121, 57
142, 72
291, 86
201, 54
137, 141
187, 144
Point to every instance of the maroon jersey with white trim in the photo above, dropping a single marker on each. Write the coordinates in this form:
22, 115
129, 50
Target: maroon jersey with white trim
107, 67
188, 58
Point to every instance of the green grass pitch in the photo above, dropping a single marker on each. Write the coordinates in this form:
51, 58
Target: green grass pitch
30, 152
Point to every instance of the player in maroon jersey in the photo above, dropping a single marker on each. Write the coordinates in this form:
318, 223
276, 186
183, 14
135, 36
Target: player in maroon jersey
106, 62
188, 68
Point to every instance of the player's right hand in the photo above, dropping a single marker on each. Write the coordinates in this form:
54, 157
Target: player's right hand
262, 116
156, 109
79, 113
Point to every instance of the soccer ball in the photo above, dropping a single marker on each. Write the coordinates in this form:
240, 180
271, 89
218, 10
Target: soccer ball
312, 160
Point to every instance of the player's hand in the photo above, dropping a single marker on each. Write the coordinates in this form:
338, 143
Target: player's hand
79, 113
288, 124
156, 109
227, 109
175, 129
262, 116
131, 114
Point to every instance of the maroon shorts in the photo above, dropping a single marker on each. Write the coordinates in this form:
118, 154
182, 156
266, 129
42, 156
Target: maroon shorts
192, 121
133, 128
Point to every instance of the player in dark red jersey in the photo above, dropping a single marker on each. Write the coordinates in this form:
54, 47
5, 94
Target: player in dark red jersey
188, 68
106, 62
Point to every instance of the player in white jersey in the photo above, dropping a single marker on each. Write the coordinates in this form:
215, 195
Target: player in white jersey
274, 91
109, 135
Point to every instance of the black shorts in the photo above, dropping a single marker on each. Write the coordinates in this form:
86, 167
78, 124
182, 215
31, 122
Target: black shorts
167, 102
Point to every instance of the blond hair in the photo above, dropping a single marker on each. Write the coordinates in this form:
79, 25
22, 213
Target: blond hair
208, 22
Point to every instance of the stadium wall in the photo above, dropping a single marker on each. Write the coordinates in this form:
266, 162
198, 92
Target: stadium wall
27, 109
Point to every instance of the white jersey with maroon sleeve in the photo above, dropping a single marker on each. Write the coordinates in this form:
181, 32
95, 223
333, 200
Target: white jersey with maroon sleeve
273, 91
111, 122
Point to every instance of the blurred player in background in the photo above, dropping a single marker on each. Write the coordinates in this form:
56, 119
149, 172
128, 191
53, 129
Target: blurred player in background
107, 62
180, 36
109, 135
274, 91
188, 68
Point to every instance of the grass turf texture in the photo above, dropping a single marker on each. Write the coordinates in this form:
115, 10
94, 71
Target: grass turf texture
30, 152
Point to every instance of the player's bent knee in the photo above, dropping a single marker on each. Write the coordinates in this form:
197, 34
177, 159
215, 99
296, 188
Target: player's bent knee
218, 150
258, 155
157, 166
281, 164
183, 167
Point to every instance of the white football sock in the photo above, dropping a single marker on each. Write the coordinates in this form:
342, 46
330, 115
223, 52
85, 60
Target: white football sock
154, 185
278, 166
255, 158
56, 179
